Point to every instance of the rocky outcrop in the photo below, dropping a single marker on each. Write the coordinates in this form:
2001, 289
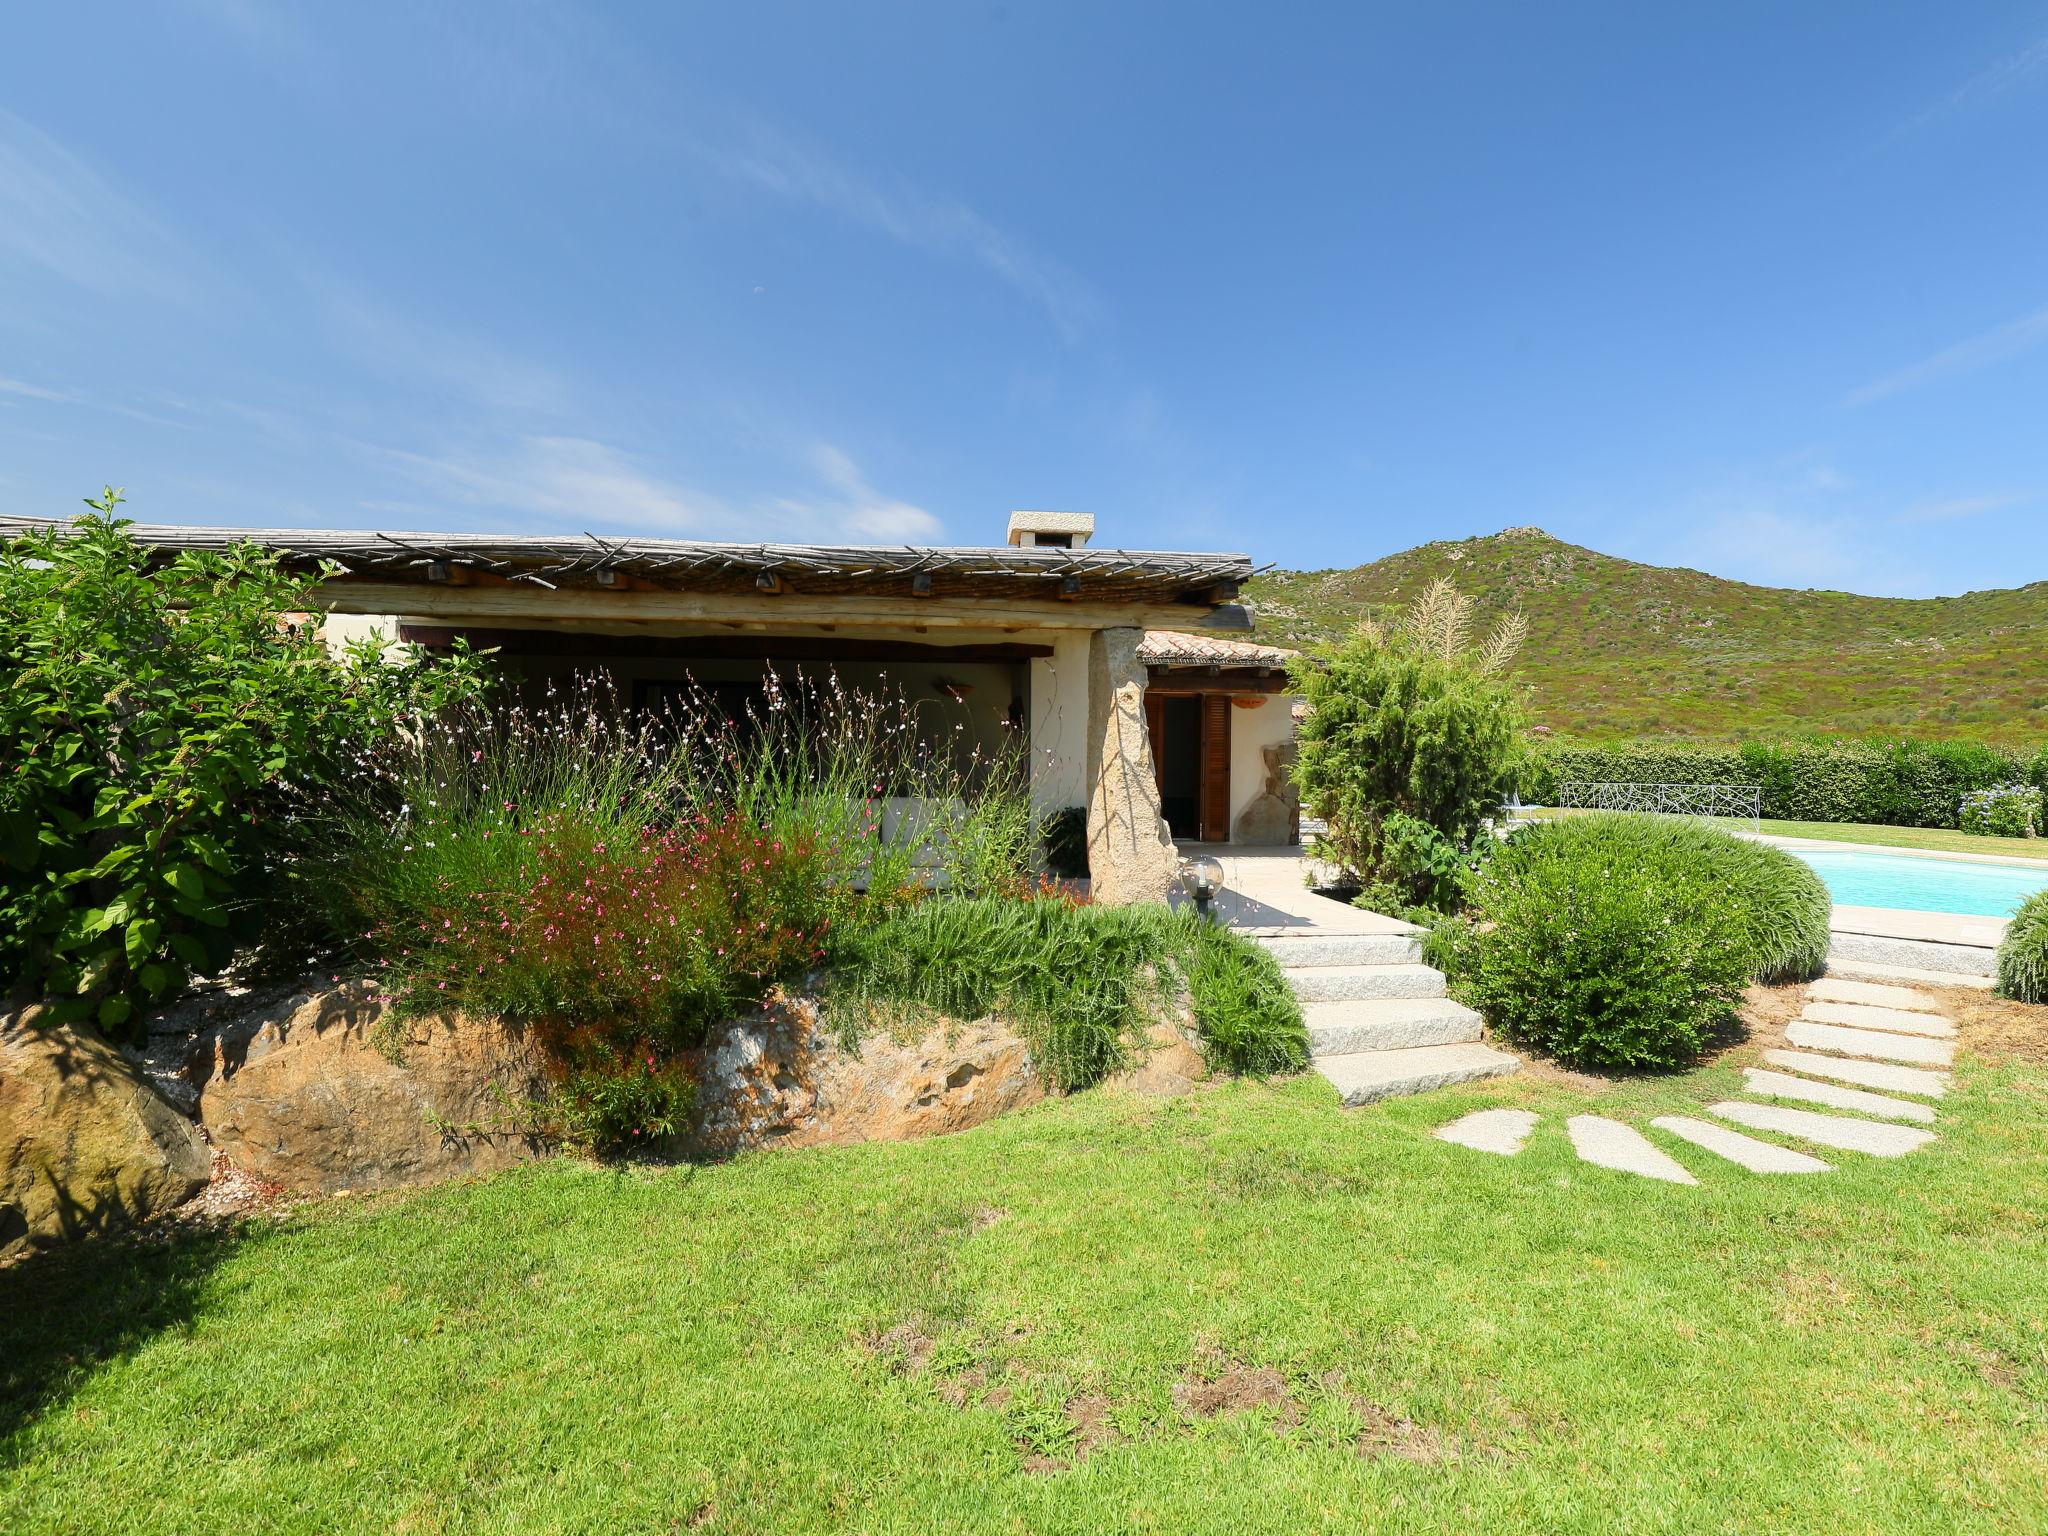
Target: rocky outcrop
779, 1079
1167, 1064
325, 1093
86, 1144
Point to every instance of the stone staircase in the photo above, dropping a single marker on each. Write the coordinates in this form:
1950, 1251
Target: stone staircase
1379, 1025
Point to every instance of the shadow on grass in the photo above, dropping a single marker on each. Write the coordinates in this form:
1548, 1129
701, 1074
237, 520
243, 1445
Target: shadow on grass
67, 1311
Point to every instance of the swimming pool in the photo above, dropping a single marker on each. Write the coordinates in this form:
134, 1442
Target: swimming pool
1924, 885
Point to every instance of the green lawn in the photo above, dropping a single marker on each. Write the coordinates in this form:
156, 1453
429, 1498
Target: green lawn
576, 1350
1934, 838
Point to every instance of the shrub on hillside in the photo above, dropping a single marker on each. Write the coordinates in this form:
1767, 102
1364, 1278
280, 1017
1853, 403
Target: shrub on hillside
1410, 742
2023, 955
1081, 982
152, 712
2006, 810
1607, 944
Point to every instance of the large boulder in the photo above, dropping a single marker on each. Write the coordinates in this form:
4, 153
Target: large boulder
324, 1093
778, 1078
86, 1144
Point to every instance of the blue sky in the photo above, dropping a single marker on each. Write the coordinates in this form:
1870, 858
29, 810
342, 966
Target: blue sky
1760, 289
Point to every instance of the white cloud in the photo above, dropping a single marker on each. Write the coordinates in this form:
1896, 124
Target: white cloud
1949, 510
571, 482
262, 26
860, 509
940, 226
61, 216
580, 484
408, 350
2010, 73
29, 391
1980, 351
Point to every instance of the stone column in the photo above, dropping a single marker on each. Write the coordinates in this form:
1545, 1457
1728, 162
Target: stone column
1131, 856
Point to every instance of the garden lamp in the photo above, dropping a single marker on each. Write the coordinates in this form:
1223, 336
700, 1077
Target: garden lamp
1201, 877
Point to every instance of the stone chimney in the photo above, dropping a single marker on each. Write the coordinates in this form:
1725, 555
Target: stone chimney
1051, 530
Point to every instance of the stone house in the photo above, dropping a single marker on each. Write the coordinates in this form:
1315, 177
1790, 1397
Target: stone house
1127, 670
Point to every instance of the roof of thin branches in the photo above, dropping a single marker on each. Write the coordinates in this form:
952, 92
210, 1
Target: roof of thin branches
1171, 648
585, 560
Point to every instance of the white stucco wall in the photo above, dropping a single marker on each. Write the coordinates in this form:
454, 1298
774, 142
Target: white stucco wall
1251, 732
1057, 700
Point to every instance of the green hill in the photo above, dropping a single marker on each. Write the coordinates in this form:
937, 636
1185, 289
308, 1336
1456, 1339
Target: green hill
1621, 649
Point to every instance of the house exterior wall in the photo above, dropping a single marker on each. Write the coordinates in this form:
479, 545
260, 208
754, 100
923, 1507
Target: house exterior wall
1057, 700
1251, 732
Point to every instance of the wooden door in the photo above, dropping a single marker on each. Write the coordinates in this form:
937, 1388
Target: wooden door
1215, 768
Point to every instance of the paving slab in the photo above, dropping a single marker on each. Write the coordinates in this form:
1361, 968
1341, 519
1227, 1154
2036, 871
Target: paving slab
1870, 1042
1830, 989
1871, 1136
1867, 1074
1491, 1130
1366, 1076
1893, 1020
1744, 1151
1783, 1085
1610, 1144
1387, 1024
1336, 983
1864, 970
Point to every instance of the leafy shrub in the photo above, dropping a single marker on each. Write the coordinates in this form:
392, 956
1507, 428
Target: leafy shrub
619, 1105
2023, 955
1783, 905
1081, 982
2005, 810
1878, 783
622, 884
1245, 1010
1608, 944
152, 709
1411, 740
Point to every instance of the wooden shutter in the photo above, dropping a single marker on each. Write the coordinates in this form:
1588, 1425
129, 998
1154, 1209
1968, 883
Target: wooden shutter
1215, 768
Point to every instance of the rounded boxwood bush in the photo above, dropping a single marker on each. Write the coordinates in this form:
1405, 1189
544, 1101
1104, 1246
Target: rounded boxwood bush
1625, 942
1604, 953
1783, 905
2023, 957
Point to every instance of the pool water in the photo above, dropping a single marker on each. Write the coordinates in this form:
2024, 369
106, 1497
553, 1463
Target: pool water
1924, 885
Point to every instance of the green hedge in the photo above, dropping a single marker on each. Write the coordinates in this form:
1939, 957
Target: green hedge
1883, 783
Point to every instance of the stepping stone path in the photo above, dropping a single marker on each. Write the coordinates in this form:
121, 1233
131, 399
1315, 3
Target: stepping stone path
1855, 1037
1493, 1130
1610, 1144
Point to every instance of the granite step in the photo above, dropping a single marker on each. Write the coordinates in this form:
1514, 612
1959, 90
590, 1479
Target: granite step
1864, 1074
1875, 1137
1387, 1024
1338, 983
1610, 1144
1830, 989
1364, 1077
1743, 1151
1921, 954
1862, 970
1783, 1085
1293, 950
1894, 1021
1502, 1131
1911, 1049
